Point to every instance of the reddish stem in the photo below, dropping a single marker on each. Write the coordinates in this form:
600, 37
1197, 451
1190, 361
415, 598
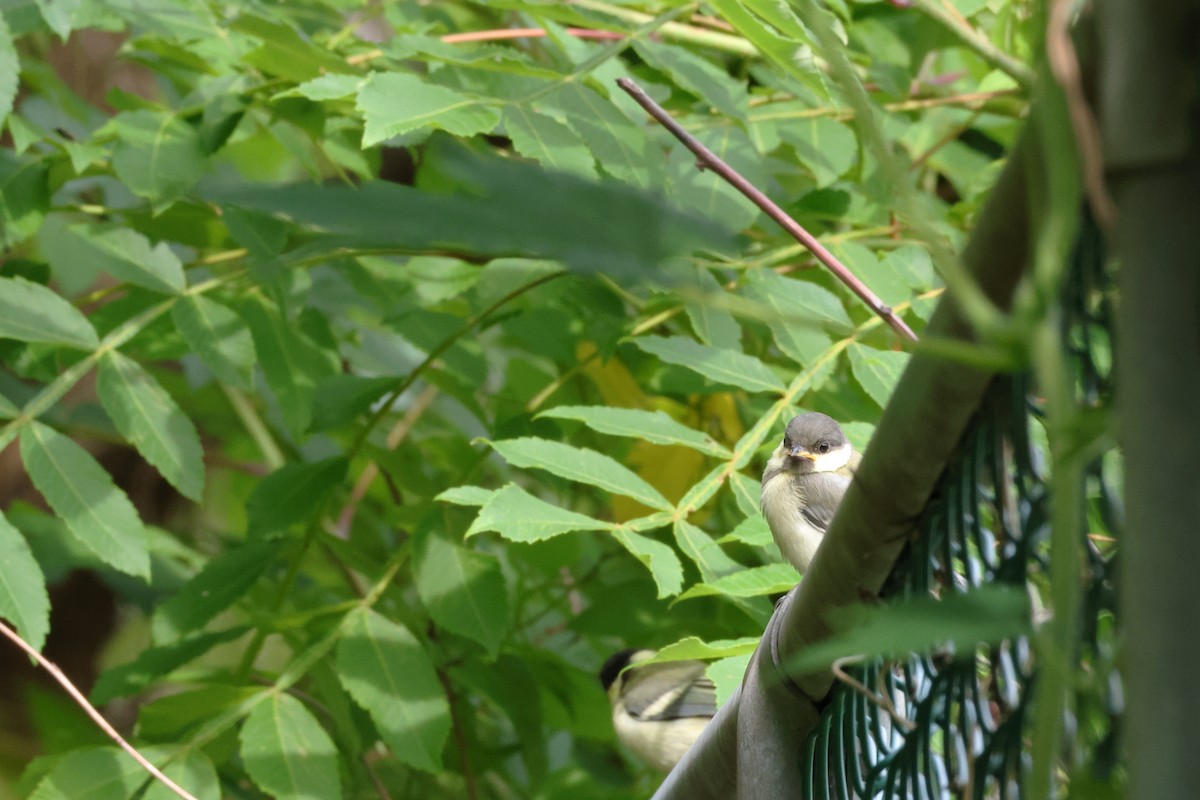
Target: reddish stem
524, 33
709, 160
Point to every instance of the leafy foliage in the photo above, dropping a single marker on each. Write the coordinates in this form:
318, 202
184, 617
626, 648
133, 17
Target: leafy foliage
462, 370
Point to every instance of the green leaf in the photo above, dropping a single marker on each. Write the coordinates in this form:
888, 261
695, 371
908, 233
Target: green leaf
827, 147
618, 145
101, 773
23, 598
157, 156
693, 647
753, 531
287, 753
10, 68
149, 418
7, 409
387, 672
292, 494
219, 337
292, 362
984, 615
153, 663
728, 367
464, 591
548, 141
338, 400
727, 674
95, 511
123, 253
803, 309
657, 427
32, 313
752, 582
887, 282
212, 590
24, 198
328, 87
191, 769
465, 495
285, 52
659, 558
877, 370
706, 553
714, 325
582, 465
393, 103
263, 235
712, 85
519, 516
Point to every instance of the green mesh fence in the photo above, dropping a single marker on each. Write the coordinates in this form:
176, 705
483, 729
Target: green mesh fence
954, 724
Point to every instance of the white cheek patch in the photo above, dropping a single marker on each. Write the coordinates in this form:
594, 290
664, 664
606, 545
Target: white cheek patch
833, 460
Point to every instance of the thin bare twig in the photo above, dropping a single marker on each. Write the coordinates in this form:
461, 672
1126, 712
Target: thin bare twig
707, 159
525, 33
91, 711
879, 699
1060, 54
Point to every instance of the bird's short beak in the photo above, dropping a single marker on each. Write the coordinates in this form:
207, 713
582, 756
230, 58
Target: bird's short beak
800, 452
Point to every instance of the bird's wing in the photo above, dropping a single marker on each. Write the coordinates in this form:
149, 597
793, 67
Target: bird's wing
823, 495
669, 691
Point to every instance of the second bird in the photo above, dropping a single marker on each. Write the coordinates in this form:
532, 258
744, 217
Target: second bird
803, 484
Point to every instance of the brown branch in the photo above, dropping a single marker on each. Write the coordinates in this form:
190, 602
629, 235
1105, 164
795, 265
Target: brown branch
91, 711
460, 736
707, 159
525, 33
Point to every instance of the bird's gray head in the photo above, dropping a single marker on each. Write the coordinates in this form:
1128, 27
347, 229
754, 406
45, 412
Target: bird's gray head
814, 442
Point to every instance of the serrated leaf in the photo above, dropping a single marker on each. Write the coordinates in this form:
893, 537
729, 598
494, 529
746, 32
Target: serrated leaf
212, 590
464, 591
548, 141
659, 558
328, 87
877, 371
101, 773
913, 264
123, 253
387, 672
191, 769
582, 465
95, 511
746, 491
802, 308
10, 68
24, 198
887, 282
219, 337
292, 494
727, 675
708, 556
693, 647
338, 400
728, 367
617, 144
828, 148
753, 530
652, 426
714, 325
287, 753
702, 78
32, 313
466, 495
394, 103
517, 515
23, 598
157, 156
149, 665
149, 418
752, 582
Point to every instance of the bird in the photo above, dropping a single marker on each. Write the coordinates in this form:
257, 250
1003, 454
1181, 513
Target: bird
803, 484
658, 710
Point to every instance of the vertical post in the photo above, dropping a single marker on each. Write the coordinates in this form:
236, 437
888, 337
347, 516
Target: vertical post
1150, 74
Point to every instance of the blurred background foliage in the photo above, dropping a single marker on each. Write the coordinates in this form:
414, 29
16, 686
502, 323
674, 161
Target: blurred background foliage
370, 373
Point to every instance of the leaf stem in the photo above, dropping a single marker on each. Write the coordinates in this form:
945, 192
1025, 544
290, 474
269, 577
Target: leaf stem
709, 160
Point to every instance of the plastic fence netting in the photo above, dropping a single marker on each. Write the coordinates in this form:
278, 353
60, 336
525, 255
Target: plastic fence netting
955, 724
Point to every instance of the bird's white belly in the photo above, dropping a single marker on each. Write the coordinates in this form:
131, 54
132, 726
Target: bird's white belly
659, 744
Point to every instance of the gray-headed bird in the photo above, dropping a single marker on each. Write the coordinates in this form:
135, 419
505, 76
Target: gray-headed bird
803, 484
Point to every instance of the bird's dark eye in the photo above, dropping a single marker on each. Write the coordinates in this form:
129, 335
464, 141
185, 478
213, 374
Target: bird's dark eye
823, 447
787, 443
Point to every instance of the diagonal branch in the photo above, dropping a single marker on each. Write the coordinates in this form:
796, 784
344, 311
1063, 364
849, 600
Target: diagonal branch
707, 159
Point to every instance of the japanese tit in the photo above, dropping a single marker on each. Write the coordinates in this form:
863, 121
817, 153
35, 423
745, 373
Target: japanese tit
658, 710
803, 484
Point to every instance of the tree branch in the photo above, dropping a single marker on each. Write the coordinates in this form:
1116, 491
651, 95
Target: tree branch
707, 159
91, 711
